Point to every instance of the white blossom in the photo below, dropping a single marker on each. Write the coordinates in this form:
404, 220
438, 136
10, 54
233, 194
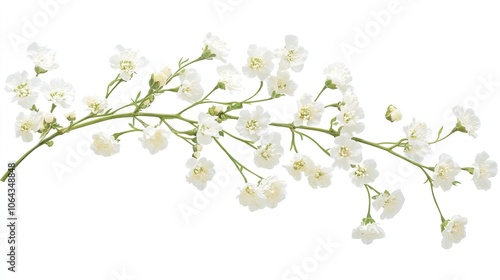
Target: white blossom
24, 89
26, 124
368, 232
393, 114
162, 76
43, 57
281, 84
274, 190
95, 104
200, 172
49, 118
391, 203
259, 62
445, 172
217, 47
269, 152
467, 120
252, 196
154, 139
453, 231
346, 152
417, 151
319, 176
253, 124
292, 56
190, 89
70, 116
417, 133
208, 127
104, 145
340, 76
230, 77
309, 112
59, 92
127, 61
364, 173
299, 164
484, 169
350, 115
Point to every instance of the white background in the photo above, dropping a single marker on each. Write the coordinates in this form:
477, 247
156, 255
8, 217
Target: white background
119, 218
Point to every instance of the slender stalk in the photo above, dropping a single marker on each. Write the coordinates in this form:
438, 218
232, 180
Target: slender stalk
319, 94
257, 92
429, 179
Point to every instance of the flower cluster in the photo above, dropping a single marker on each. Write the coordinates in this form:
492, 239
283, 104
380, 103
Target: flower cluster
246, 120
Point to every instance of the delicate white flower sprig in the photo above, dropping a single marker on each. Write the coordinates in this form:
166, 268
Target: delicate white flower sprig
222, 123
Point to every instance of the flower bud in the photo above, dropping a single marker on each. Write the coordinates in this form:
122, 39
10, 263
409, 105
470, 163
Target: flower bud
49, 118
393, 114
70, 116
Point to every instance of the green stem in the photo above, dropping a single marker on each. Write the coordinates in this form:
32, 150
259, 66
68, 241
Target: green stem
198, 102
372, 188
369, 202
315, 142
319, 94
391, 152
114, 82
235, 162
439, 140
292, 144
248, 142
429, 179
258, 90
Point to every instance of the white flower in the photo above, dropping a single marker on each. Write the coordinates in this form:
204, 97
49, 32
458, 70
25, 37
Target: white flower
254, 124
350, 115
390, 202
154, 139
417, 151
319, 176
274, 190
253, 197
259, 63
367, 233
43, 57
230, 77
467, 121
208, 127
270, 150
309, 112
24, 89
346, 152
95, 104
339, 74
127, 61
162, 76
445, 172
364, 173
190, 89
292, 56
417, 133
453, 231
26, 124
299, 164
483, 170
104, 145
200, 172
281, 84
217, 47
59, 92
